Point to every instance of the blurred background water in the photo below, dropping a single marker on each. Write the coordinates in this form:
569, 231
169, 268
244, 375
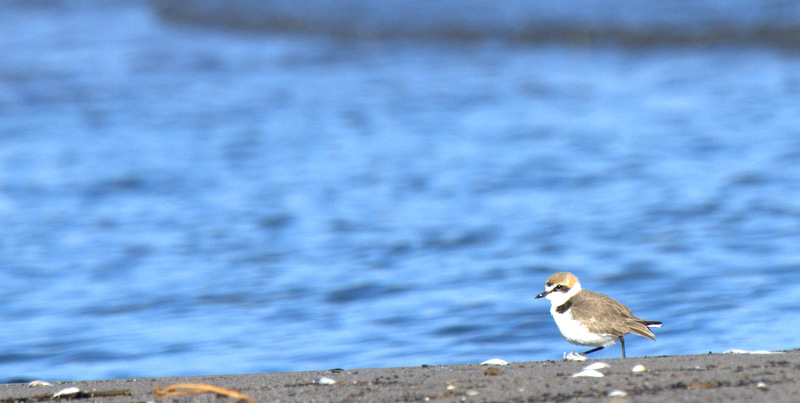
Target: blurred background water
204, 187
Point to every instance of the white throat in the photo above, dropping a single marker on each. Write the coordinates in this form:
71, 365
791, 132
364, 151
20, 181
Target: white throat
559, 298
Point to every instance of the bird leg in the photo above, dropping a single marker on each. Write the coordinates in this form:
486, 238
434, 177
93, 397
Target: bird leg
592, 350
621, 342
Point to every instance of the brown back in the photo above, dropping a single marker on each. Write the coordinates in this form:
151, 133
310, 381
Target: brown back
603, 314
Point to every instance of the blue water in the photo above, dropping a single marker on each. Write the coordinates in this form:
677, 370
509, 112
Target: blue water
183, 199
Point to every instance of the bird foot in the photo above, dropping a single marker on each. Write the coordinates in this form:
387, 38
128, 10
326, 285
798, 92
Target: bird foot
574, 356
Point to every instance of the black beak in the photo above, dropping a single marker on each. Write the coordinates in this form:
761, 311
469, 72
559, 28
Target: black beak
543, 294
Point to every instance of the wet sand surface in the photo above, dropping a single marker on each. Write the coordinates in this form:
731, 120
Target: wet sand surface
690, 378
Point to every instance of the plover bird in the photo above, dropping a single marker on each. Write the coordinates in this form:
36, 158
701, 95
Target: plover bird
588, 318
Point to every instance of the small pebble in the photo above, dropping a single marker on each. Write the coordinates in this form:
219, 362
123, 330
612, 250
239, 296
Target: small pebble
617, 393
326, 381
639, 368
473, 393
492, 371
761, 385
591, 373
451, 387
39, 383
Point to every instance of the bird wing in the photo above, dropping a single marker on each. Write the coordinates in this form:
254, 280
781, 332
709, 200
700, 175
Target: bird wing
606, 315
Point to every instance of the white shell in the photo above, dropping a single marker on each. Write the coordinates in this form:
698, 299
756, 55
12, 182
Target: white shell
39, 383
67, 392
597, 365
495, 361
617, 393
761, 385
326, 381
574, 356
752, 352
639, 368
588, 373
451, 387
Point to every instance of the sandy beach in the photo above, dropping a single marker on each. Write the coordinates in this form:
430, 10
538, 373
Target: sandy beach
690, 378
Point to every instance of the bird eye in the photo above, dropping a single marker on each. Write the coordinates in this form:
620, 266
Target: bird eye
560, 286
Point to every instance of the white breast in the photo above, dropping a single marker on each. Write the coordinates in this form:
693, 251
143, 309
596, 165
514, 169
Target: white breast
576, 333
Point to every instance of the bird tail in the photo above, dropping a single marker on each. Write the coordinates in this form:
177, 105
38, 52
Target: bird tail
642, 328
